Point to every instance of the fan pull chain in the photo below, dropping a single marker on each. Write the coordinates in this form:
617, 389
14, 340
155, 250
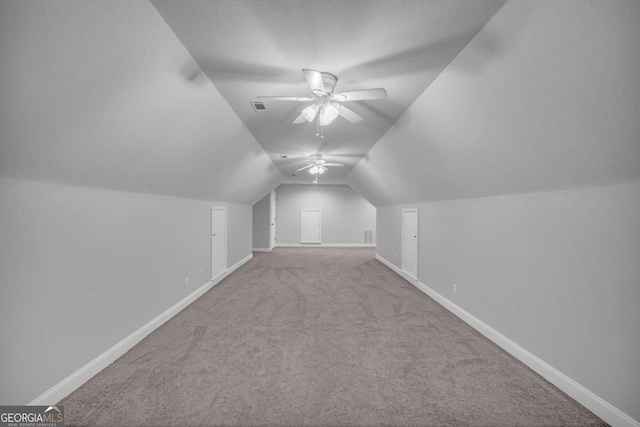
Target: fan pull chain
319, 130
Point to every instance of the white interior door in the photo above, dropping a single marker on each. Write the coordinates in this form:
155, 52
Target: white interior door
310, 228
218, 241
410, 242
272, 221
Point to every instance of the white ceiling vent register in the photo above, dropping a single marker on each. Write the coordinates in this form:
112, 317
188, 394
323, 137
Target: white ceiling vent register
368, 237
258, 106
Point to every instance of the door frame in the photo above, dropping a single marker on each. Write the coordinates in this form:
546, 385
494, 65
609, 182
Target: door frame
226, 239
417, 241
319, 226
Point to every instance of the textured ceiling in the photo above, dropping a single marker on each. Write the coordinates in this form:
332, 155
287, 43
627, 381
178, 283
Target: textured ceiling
103, 94
540, 95
556, 106
257, 48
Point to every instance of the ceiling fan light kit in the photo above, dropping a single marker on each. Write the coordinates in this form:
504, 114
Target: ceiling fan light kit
325, 109
317, 166
317, 170
310, 112
328, 114
326, 105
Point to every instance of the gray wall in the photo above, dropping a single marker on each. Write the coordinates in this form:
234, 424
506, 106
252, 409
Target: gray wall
389, 233
556, 272
261, 218
345, 214
81, 269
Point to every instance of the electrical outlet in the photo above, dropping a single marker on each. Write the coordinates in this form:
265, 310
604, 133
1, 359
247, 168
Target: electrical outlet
455, 288
186, 282
202, 273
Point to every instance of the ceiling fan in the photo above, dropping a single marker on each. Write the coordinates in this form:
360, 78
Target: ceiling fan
317, 166
327, 105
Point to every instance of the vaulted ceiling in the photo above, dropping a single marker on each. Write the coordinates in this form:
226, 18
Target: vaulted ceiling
555, 105
253, 48
94, 93
484, 97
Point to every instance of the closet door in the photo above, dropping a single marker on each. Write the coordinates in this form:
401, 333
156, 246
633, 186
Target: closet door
218, 241
410, 242
310, 228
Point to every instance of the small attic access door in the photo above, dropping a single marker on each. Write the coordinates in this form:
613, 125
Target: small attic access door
310, 228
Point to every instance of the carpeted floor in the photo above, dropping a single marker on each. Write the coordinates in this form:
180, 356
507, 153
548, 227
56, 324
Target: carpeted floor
316, 336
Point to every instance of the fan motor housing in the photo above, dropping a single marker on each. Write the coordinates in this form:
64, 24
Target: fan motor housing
329, 81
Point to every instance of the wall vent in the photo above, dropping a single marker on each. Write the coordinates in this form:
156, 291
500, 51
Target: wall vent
258, 106
368, 237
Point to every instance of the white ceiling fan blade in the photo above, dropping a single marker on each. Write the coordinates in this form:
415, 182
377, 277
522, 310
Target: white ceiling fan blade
305, 167
333, 164
299, 119
360, 95
350, 115
287, 98
314, 80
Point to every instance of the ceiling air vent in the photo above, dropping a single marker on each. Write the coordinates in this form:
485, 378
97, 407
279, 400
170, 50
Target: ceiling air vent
258, 106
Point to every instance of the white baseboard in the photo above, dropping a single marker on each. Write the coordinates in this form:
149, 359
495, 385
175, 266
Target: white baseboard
325, 245
585, 397
260, 250
84, 374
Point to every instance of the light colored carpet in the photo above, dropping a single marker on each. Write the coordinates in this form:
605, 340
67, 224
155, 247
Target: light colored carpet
319, 337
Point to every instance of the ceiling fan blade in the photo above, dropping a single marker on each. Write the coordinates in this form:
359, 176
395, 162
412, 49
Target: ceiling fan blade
360, 95
287, 98
349, 115
333, 164
305, 167
299, 119
314, 80
358, 155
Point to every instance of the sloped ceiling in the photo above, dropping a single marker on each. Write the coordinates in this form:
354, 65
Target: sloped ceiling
546, 95
103, 94
250, 48
556, 104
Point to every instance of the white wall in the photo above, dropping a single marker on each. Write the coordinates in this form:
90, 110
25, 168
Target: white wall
81, 269
556, 272
261, 221
545, 97
389, 233
345, 214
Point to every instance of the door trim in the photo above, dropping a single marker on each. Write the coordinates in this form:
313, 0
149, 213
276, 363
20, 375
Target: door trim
417, 245
226, 238
319, 226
